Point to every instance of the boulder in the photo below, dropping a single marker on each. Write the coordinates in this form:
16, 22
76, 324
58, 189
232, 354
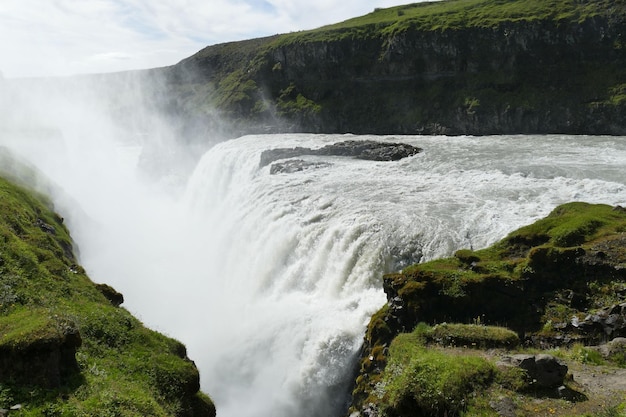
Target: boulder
614, 348
546, 371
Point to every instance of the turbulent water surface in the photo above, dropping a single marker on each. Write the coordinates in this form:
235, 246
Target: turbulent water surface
270, 280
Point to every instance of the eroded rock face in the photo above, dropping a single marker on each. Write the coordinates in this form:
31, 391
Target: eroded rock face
44, 362
366, 149
517, 76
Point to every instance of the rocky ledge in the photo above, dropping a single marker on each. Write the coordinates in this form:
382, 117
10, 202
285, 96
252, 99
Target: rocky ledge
366, 149
554, 287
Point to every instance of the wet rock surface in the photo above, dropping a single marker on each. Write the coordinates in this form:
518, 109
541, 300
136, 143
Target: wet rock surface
367, 150
296, 165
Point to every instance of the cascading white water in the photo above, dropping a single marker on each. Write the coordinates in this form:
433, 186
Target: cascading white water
270, 279
294, 261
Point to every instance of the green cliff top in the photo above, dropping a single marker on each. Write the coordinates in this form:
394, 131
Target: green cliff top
458, 14
559, 284
65, 349
450, 67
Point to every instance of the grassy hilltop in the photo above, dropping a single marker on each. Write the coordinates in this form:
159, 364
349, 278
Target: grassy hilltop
66, 347
452, 67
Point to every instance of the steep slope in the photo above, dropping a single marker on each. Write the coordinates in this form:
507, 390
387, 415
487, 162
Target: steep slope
66, 347
453, 67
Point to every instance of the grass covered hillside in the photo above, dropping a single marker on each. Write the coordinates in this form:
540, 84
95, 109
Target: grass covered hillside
66, 347
457, 14
451, 66
555, 287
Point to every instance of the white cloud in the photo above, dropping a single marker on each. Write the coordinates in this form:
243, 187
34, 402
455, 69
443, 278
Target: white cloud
63, 37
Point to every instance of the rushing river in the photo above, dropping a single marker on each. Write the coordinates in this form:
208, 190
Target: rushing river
270, 280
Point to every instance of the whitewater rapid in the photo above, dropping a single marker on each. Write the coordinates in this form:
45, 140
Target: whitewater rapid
296, 260
270, 280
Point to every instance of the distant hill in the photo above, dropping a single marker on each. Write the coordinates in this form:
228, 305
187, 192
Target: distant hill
448, 67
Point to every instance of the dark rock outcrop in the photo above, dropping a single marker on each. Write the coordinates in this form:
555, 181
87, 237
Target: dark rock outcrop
535, 280
45, 362
366, 149
545, 371
609, 321
111, 294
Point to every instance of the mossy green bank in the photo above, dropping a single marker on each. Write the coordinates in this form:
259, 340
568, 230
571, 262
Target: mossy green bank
544, 287
65, 348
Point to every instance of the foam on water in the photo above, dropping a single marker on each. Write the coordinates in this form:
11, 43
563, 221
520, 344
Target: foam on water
270, 280
298, 257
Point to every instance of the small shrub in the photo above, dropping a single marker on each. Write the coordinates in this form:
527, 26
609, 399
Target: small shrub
618, 357
585, 355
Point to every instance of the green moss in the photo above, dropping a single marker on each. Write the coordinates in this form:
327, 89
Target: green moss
420, 381
450, 14
572, 224
533, 281
25, 327
124, 369
474, 335
290, 102
585, 355
513, 378
617, 95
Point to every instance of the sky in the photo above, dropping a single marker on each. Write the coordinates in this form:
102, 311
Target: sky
40, 38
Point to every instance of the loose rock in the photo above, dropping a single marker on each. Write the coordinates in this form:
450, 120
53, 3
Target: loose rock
546, 371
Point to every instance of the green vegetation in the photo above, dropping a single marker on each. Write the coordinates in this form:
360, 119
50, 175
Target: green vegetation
474, 336
450, 14
110, 364
429, 382
572, 225
292, 103
536, 281
445, 67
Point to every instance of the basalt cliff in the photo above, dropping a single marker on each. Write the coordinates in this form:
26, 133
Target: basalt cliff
451, 67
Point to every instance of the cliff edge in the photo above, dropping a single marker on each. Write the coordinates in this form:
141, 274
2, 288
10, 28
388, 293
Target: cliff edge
533, 325
449, 67
66, 347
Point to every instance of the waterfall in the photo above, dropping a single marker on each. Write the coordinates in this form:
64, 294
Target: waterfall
294, 261
270, 280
